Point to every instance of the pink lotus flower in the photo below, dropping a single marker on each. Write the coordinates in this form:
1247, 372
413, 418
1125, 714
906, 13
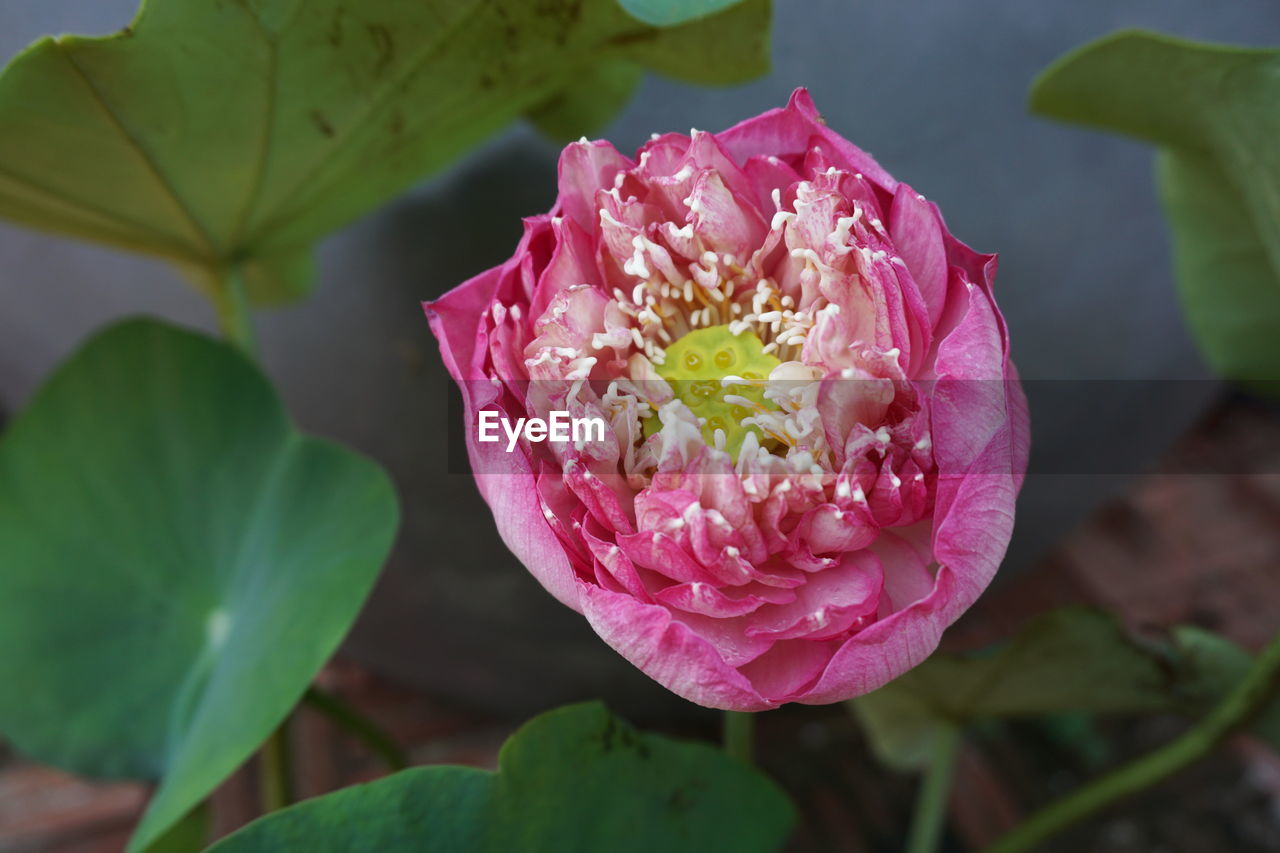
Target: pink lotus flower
816, 436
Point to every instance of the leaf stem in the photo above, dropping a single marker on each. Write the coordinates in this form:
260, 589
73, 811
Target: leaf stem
739, 735
275, 763
358, 725
1248, 697
929, 817
232, 304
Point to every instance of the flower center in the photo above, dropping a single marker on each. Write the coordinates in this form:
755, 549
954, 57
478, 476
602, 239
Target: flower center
720, 376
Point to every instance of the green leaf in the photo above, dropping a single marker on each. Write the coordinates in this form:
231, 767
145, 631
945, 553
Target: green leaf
237, 132
588, 104
670, 13
1215, 113
188, 834
176, 563
577, 778
1070, 660
1219, 665
1228, 286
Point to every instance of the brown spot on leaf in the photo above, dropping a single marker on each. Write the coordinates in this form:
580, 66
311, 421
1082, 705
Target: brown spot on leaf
322, 124
336, 29
564, 15
384, 45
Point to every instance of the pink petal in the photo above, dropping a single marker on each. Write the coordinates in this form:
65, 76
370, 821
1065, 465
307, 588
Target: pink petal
728, 224
906, 557
830, 603
707, 600
767, 173
884, 650
790, 667
669, 652
968, 407
787, 132
917, 232
572, 263
584, 168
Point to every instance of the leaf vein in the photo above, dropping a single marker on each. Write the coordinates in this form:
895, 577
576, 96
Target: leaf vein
389, 91
210, 246
268, 124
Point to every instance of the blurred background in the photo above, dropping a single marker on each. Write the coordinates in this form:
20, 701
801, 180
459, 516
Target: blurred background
936, 91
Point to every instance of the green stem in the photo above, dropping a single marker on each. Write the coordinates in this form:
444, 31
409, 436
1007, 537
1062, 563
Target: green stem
739, 735
1248, 697
234, 317
275, 764
929, 818
358, 725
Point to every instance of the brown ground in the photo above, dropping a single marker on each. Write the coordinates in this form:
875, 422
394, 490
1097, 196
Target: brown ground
1178, 547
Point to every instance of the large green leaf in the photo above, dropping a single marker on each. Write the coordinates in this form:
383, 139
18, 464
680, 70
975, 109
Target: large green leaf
577, 778
1215, 113
1070, 660
225, 133
176, 563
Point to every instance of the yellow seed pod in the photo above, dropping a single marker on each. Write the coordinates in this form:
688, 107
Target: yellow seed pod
694, 366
